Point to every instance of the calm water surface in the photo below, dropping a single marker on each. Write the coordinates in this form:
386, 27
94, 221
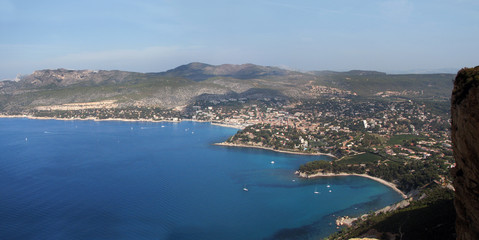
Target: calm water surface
132, 180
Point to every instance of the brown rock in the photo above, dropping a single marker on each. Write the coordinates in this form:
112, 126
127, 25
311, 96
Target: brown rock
465, 138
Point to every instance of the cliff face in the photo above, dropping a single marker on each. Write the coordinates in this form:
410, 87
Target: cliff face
63, 77
465, 136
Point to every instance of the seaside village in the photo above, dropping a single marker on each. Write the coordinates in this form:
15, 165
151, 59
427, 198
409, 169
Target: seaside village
339, 124
363, 135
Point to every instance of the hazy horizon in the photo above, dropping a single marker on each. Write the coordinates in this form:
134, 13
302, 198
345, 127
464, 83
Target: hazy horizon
395, 36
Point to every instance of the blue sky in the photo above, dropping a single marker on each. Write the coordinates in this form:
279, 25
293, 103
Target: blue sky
157, 35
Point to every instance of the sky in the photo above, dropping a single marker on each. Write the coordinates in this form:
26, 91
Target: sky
393, 36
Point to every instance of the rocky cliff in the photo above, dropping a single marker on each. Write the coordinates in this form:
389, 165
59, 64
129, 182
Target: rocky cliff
465, 136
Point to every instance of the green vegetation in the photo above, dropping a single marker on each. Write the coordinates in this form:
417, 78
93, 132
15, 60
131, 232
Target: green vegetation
403, 138
361, 158
314, 166
408, 175
416, 86
431, 217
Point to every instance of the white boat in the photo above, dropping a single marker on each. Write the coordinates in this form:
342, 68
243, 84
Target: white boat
316, 191
245, 189
272, 162
328, 186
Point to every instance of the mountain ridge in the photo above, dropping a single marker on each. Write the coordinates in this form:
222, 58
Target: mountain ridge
185, 84
200, 71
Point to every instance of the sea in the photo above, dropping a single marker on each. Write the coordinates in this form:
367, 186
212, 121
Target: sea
143, 180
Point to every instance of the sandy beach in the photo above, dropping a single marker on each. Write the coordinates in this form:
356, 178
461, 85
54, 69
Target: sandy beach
95, 119
382, 181
272, 149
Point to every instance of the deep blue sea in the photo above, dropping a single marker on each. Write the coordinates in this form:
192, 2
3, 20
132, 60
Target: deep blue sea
138, 180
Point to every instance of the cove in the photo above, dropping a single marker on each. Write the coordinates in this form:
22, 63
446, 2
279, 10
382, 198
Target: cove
143, 180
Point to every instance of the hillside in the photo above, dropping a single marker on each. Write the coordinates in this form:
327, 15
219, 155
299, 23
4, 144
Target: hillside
371, 83
188, 83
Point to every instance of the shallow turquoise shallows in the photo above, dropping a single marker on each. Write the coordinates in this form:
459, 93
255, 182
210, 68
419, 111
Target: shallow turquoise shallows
136, 180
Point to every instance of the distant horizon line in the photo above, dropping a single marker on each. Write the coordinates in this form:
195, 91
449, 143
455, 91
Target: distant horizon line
446, 70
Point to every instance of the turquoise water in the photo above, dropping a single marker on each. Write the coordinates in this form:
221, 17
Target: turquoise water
133, 180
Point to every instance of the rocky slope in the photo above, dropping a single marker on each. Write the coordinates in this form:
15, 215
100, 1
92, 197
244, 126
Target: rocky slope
465, 136
64, 77
200, 71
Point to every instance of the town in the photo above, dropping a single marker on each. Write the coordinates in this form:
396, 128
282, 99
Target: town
365, 134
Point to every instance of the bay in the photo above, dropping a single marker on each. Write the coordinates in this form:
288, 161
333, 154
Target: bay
142, 180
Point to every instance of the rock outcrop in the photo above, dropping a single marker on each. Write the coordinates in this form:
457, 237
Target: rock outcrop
465, 137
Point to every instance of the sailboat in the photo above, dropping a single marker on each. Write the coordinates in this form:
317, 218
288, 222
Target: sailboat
316, 190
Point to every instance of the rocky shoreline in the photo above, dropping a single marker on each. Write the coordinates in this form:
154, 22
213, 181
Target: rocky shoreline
227, 144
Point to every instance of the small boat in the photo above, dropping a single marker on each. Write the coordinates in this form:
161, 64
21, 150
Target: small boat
245, 189
272, 162
330, 190
316, 191
328, 186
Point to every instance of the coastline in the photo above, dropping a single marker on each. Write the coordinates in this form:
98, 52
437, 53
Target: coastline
382, 181
120, 120
272, 149
304, 175
84, 119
